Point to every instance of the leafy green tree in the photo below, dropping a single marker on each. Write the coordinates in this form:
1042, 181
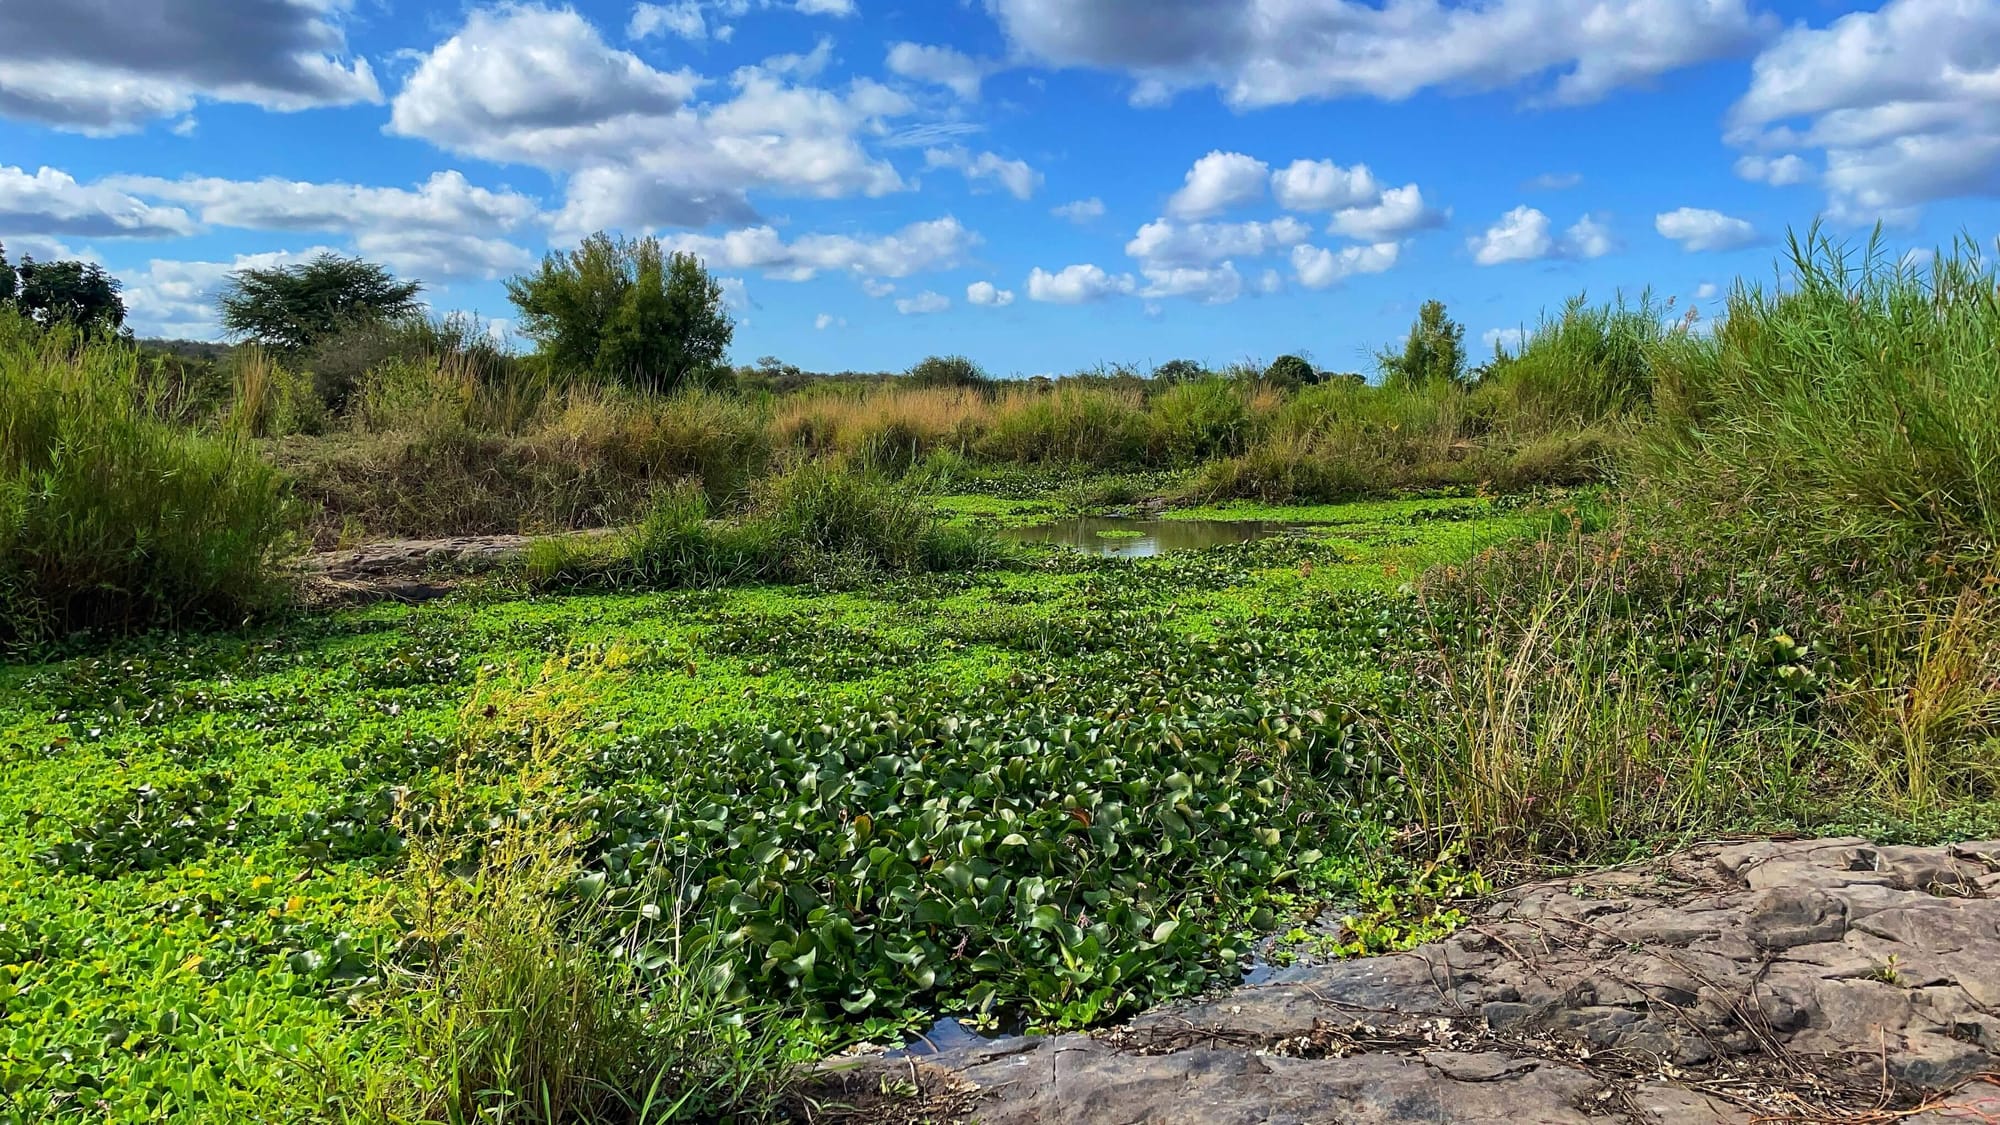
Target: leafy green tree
947, 371
626, 310
8, 282
1290, 372
78, 293
292, 308
1435, 350
1179, 371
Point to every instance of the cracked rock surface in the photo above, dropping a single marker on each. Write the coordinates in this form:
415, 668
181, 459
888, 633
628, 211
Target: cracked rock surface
1827, 980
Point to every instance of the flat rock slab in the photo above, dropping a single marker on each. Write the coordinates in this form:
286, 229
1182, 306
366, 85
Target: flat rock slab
419, 556
412, 570
1825, 980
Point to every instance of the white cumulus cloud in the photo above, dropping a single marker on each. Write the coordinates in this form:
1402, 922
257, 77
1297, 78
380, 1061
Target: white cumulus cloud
1903, 102
539, 86
1080, 211
1525, 235
940, 66
49, 201
1217, 182
1076, 285
1700, 229
1322, 185
986, 294
1777, 171
1396, 213
1165, 242
110, 66
1319, 268
933, 245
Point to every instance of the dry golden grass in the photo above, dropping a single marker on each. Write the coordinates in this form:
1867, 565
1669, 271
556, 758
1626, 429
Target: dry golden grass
939, 417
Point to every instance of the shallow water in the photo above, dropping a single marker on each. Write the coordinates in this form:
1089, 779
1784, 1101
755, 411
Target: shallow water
945, 1035
1124, 538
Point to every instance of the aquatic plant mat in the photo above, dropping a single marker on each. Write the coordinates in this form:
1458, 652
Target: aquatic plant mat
256, 869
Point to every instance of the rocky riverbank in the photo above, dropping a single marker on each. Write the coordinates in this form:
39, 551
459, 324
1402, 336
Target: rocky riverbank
1827, 980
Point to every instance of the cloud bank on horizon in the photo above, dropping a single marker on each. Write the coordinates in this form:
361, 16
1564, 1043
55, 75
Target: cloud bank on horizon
1042, 184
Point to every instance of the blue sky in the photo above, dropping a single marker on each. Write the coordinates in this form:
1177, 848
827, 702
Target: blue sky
1041, 184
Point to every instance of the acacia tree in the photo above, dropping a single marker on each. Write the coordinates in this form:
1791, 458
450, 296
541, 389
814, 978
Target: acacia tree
627, 311
75, 293
291, 308
1435, 349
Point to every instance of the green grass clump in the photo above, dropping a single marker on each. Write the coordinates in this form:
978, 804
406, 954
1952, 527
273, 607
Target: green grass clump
813, 525
1855, 404
1586, 364
1070, 426
113, 516
1792, 613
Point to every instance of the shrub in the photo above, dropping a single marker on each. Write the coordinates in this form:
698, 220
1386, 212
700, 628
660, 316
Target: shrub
1590, 688
1339, 441
1180, 371
584, 458
529, 994
947, 371
110, 516
342, 363
817, 518
1434, 350
885, 429
1290, 372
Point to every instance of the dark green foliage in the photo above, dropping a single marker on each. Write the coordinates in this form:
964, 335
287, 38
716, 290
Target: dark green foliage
1290, 372
77, 294
1435, 350
292, 308
947, 371
1042, 847
1179, 371
627, 312
9, 281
